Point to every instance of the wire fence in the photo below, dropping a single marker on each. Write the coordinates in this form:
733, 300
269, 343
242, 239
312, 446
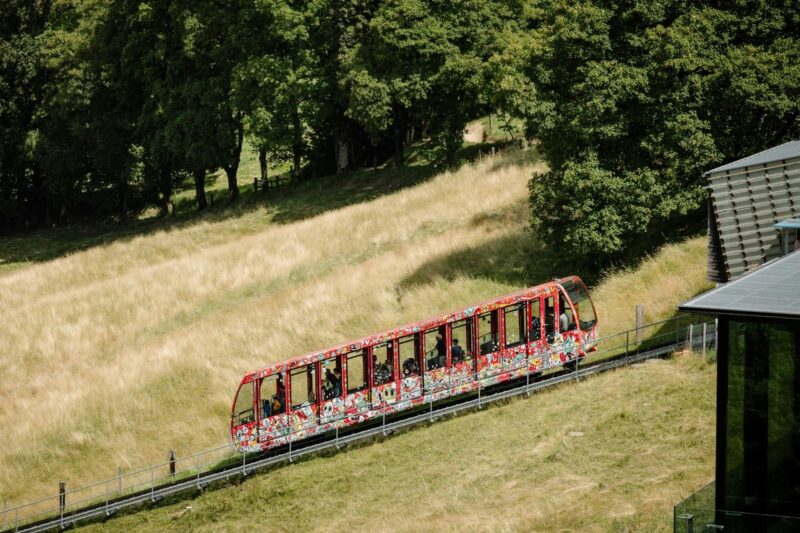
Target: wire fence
663, 337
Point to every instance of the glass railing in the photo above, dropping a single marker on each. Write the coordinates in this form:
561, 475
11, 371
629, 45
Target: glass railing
698, 514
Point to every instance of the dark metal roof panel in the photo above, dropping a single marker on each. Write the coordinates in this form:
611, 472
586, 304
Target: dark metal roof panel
747, 202
770, 290
787, 150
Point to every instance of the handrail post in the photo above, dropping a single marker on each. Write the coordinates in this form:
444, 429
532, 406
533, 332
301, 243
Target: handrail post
198, 470
244, 460
152, 483
119, 478
62, 500
106, 498
478, 379
705, 326
627, 336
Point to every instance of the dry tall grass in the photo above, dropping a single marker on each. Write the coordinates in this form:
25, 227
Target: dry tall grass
114, 355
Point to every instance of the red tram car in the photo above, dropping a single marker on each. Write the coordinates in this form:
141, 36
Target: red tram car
445, 356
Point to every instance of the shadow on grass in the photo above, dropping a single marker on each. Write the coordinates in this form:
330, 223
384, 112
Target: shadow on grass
292, 203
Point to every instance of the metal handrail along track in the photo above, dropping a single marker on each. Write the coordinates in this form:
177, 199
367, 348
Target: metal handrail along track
523, 385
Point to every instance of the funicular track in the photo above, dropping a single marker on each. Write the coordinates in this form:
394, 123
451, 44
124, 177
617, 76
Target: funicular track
666, 343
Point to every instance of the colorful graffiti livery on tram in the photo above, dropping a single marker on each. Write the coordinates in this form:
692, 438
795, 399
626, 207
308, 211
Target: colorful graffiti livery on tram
507, 338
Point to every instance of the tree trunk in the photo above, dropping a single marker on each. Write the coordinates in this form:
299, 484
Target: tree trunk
200, 188
262, 163
399, 155
297, 144
233, 167
123, 199
489, 133
165, 188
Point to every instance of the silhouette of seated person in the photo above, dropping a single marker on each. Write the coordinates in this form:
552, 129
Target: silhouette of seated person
410, 367
536, 325
456, 352
337, 383
266, 408
277, 405
441, 351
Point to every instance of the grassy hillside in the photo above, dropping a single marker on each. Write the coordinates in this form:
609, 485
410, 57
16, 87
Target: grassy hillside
116, 353
612, 453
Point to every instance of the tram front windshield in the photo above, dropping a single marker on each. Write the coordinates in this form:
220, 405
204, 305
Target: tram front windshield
577, 292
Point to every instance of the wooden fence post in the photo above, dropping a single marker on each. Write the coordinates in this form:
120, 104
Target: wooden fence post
171, 457
639, 323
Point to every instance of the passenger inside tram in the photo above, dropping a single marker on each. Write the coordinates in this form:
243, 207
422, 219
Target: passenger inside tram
271, 396
332, 385
408, 355
456, 352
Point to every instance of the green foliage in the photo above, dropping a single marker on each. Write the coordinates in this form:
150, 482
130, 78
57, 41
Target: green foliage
633, 101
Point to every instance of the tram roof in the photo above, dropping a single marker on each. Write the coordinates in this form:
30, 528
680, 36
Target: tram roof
771, 290
406, 329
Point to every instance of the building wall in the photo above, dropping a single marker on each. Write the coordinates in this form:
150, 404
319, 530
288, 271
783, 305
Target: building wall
758, 449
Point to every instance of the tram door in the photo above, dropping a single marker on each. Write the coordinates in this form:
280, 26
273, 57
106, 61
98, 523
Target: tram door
489, 362
462, 353
384, 375
332, 408
274, 420
409, 350
303, 387
435, 360
514, 353
536, 344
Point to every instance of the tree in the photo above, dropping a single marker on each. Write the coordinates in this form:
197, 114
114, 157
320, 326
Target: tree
633, 101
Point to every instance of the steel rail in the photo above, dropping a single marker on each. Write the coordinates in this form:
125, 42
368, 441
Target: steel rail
243, 469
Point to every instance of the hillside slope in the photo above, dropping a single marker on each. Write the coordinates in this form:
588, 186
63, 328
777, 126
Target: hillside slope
612, 453
113, 355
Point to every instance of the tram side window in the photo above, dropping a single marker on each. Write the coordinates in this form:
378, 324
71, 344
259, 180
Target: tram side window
408, 347
272, 399
549, 318
583, 305
536, 321
356, 371
332, 382
462, 341
487, 332
244, 411
304, 385
383, 363
515, 325
435, 348
566, 320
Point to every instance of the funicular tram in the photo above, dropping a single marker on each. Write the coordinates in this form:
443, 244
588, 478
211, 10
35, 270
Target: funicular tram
530, 331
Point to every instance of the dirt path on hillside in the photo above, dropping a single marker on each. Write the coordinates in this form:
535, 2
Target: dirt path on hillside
474, 133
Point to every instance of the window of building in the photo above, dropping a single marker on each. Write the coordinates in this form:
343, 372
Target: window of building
487, 332
409, 348
515, 325
435, 348
461, 344
304, 385
383, 363
243, 412
535, 331
356, 371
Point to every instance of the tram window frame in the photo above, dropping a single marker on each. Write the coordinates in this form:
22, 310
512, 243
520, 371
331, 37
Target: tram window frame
485, 348
438, 361
273, 378
388, 360
535, 329
549, 319
414, 339
364, 370
241, 408
521, 323
325, 365
565, 307
309, 375
466, 342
